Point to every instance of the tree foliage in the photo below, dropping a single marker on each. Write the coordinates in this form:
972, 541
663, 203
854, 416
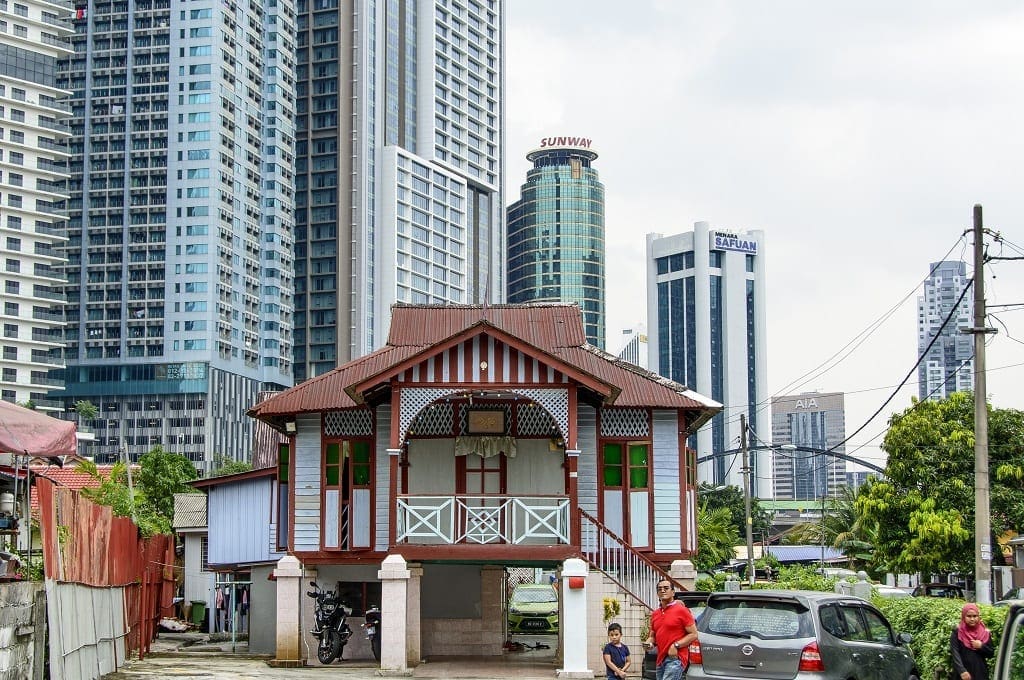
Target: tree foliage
159, 476
717, 537
731, 497
222, 465
923, 512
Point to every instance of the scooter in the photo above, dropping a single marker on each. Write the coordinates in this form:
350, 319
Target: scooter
372, 628
331, 624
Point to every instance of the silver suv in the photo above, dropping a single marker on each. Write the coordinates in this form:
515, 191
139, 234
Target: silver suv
797, 635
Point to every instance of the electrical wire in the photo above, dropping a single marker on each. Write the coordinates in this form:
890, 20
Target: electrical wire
856, 341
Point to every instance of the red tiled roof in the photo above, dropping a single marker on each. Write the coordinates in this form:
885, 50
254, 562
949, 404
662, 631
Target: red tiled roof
552, 329
67, 477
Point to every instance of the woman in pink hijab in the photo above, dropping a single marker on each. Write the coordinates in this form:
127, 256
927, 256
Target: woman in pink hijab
970, 645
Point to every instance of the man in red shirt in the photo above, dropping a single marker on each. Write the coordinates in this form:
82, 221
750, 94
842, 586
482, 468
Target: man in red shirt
672, 630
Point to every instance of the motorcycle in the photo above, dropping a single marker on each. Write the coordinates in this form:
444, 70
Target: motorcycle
331, 624
372, 628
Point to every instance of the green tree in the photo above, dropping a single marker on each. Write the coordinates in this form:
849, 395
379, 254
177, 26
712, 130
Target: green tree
717, 536
163, 474
923, 512
848, 530
731, 498
85, 409
159, 476
222, 465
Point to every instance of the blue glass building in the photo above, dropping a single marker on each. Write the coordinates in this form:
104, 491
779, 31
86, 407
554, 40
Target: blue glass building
706, 329
556, 233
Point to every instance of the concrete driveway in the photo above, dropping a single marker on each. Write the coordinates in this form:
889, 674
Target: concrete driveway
215, 661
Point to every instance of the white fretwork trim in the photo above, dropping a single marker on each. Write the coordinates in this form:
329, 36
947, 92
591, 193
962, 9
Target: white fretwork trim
414, 400
556, 402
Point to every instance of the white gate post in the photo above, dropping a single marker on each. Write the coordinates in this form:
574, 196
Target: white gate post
574, 625
394, 586
288, 577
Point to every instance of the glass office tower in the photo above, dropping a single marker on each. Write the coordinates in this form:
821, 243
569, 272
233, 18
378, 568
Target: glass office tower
179, 274
398, 167
33, 172
813, 420
556, 233
707, 329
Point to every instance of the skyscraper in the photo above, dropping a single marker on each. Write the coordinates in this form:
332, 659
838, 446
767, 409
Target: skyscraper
399, 137
815, 420
33, 170
633, 344
556, 233
949, 364
706, 329
179, 275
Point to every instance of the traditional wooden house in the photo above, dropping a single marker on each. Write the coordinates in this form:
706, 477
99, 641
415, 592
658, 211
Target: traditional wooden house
476, 439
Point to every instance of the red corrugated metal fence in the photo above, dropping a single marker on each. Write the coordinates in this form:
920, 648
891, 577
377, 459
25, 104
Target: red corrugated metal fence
85, 543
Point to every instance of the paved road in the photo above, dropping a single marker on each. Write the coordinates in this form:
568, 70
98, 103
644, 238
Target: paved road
194, 656
224, 667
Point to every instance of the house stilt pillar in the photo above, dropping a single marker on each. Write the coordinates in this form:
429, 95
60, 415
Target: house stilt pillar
414, 631
288, 576
394, 613
574, 626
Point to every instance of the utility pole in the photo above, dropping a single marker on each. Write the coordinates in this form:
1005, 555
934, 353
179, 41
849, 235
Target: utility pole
746, 499
982, 528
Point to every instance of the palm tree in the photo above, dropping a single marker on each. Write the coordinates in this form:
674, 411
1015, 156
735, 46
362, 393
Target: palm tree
847, 530
717, 536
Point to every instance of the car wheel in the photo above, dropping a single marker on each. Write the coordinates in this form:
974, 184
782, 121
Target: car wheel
913, 677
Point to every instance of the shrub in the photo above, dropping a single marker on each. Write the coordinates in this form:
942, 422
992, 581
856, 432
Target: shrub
931, 620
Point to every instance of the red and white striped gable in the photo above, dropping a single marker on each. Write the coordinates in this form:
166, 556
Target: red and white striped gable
485, 360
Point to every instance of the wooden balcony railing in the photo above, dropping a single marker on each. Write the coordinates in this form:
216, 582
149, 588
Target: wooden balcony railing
483, 519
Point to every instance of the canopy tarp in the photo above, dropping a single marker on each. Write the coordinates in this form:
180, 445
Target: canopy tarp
24, 431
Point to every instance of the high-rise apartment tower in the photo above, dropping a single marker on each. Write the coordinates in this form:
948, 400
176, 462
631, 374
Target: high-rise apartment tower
556, 233
33, 171
399, 137
706, 329
179, 275
949, 364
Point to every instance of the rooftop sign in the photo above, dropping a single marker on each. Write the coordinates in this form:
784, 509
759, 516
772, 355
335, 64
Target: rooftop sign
578, 142
724, 240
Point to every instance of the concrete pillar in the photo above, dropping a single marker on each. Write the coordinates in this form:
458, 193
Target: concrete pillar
289, 598
413, 636
574, 625
684, 572
394, 585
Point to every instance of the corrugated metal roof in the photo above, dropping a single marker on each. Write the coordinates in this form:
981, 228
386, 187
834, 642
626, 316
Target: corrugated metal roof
189, 510
555, 329
802, 553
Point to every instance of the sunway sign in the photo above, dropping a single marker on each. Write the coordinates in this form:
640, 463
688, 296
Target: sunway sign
721, 240
578, 142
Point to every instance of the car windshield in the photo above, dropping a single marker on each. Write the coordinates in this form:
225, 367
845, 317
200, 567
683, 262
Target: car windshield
765, 620
534, 595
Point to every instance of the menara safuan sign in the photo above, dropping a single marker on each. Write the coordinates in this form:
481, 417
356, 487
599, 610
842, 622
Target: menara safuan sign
578, 142
722, 240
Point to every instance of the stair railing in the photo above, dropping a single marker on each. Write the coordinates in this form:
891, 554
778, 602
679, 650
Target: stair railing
632, 571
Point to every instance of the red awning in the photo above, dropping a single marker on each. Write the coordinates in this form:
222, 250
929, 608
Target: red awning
24, 431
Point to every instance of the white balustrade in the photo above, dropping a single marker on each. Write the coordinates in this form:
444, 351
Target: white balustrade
516, 520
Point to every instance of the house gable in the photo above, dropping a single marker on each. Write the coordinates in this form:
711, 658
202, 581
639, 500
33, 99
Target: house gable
480, 356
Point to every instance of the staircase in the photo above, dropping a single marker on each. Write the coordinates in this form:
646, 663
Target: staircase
635, 575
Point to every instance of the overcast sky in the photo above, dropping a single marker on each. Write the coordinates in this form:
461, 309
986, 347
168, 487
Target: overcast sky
858, 136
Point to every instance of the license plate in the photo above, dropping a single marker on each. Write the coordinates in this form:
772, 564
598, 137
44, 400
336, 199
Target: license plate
533, 623
371, 630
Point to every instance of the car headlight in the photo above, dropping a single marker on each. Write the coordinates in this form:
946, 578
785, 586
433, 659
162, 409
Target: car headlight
515, 611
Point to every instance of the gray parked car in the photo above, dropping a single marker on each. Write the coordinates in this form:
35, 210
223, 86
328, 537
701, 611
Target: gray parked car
797, 635
1010, 660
